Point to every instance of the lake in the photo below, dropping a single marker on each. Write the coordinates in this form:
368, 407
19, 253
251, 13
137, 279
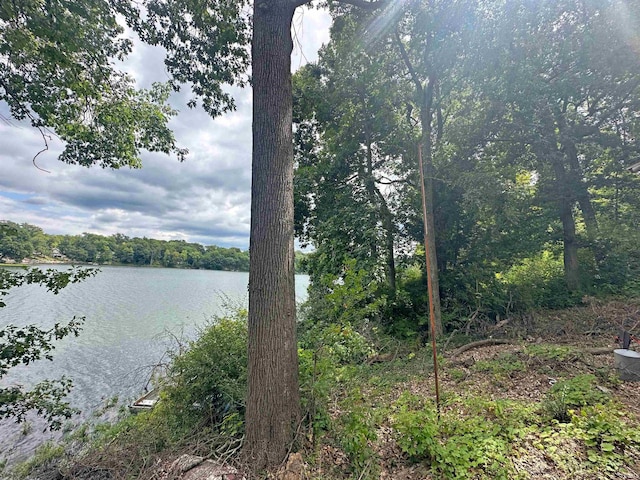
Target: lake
133, 316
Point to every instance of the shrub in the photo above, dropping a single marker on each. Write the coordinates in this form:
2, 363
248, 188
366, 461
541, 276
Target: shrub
539, 282
356, 429
209, 381
317, 376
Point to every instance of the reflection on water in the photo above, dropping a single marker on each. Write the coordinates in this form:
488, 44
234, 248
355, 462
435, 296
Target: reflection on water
132, 318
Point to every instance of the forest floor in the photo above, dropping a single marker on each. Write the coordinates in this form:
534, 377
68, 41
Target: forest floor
542, 407
547, 404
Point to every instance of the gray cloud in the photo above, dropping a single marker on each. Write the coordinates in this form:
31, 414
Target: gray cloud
205, 199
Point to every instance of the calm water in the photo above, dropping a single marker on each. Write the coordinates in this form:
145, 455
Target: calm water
132, 316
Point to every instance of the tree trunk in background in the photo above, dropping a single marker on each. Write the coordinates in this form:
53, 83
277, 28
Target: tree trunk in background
564, 200
426, 117
576, 180
387, 223
273, 399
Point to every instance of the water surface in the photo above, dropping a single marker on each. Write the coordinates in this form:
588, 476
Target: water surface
132, 317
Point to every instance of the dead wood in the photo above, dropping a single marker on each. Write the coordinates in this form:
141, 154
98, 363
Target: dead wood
478, 344
498, 341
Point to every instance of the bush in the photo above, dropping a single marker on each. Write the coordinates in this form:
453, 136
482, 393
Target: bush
208, 382
318, 372
539, 282
356, 430
352, 298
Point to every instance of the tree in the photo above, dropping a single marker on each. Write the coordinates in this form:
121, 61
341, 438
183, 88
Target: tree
57, 73
568, 82
348, 151
207, 46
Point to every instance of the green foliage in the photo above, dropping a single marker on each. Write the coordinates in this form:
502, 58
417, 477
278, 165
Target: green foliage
417, 428
606, 435
576, 392
353, 297
318, 372
503, 366
52, 280
529, 154
550, 352
58, 73
345, 344
472, 440
24, 345
539, 282
206, 45
208, 382
18, 241
201, 407
356, 430
619, 270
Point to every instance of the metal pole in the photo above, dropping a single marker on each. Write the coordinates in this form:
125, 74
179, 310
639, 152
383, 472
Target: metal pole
432, 313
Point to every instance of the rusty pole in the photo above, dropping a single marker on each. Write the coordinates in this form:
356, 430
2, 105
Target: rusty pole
432, 313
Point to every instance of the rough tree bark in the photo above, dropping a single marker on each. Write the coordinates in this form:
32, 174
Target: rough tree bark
273, 400
564, 200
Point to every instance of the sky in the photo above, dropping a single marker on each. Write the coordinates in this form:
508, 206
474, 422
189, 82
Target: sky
206, 199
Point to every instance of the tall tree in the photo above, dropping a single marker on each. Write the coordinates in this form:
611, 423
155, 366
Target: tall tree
206, 44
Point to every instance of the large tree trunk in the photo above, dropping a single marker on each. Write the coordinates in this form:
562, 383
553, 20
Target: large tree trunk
273, 400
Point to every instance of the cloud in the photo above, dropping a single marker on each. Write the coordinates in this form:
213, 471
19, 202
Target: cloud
205, 199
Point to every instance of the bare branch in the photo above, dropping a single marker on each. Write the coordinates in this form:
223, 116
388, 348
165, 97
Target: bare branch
46, 147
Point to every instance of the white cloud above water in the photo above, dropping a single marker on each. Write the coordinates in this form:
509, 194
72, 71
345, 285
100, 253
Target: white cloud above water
205, 199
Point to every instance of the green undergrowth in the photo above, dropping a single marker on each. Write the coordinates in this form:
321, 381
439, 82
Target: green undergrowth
576, 429
369, 411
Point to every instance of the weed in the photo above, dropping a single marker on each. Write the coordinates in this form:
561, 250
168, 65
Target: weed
457, 374
605, 434
501, 367
550, 352
356, 432
44, 455
472, 440
579, 391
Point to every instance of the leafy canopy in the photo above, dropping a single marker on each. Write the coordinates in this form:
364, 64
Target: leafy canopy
57, 72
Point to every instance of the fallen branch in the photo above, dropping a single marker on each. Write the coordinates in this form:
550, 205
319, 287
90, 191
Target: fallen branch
597, 350
478, 344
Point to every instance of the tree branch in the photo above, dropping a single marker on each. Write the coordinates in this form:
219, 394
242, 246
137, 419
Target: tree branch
407, 62
364, 4
299, 3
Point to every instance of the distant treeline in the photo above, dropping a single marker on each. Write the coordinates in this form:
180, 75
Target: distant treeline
20, 242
